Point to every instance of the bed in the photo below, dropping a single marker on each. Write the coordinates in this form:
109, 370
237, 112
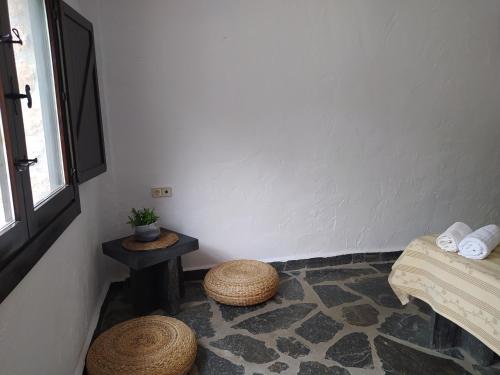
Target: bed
464, 294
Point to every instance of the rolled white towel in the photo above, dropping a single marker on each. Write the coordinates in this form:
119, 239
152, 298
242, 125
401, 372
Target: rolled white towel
480, 243
451, 237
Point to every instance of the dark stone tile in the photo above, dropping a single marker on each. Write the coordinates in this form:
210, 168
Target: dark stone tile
333, 295
479, 352
352, 350
381, 257
316, 263
329, 261
229, 313
377, 289
320, 262
194, 293
336, 274
115, 309
400, 359
319, 328
195, 275
360, 315
383, 267
278, 266
281, 318
292, 265
116, 312
391, 255
422, 306
117, 291
283, 276
372, 257
358, 258
411, 328
453, 352
291, 290
487, 370
316, 368
278, 367
198, 318
339, 260
292, 347
209, 363
246, 347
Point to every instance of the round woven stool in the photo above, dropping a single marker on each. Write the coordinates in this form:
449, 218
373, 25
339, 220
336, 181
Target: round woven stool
150, 345
241, 282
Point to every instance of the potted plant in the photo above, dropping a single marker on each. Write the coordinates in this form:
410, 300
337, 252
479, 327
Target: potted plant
145, 223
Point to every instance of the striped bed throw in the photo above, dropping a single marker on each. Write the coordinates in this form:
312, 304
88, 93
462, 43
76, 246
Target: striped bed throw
465, 291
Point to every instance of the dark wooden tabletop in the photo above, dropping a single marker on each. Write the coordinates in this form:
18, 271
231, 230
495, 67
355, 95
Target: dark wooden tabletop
142, 259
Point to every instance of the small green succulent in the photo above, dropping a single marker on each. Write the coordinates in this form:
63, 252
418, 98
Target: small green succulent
145, 216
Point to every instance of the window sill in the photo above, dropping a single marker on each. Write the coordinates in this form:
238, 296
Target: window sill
25, 258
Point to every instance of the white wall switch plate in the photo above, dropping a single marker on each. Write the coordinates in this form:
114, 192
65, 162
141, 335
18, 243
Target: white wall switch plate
156, 192
161, 192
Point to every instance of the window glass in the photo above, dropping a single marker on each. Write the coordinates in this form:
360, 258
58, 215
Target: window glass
41, 122
6, 211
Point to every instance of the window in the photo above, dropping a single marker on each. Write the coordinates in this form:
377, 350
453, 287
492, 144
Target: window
6, 209
41, 124
38, 189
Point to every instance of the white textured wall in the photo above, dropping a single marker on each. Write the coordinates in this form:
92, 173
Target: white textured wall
48, 319
293, 129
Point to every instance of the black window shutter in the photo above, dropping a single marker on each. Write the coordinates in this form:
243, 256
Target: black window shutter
82, 94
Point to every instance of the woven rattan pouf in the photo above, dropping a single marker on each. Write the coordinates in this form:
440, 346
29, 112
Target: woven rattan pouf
241, 282
150, 345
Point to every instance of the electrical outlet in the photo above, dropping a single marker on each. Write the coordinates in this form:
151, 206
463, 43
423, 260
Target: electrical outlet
161, 192
166, 192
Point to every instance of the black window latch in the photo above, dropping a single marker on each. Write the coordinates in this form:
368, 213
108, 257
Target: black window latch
23, 164
16, 96
8, 38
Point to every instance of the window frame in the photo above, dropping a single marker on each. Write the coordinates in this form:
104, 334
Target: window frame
12, 234
36, 228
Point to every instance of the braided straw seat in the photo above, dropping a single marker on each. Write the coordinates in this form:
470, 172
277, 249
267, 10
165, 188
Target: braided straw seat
241, 282
150, 345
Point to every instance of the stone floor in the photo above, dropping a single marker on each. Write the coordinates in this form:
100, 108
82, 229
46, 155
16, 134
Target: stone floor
334, 316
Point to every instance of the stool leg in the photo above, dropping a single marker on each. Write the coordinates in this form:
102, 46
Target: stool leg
173, 287
444, 333
169, 290
141, 293
182, 289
